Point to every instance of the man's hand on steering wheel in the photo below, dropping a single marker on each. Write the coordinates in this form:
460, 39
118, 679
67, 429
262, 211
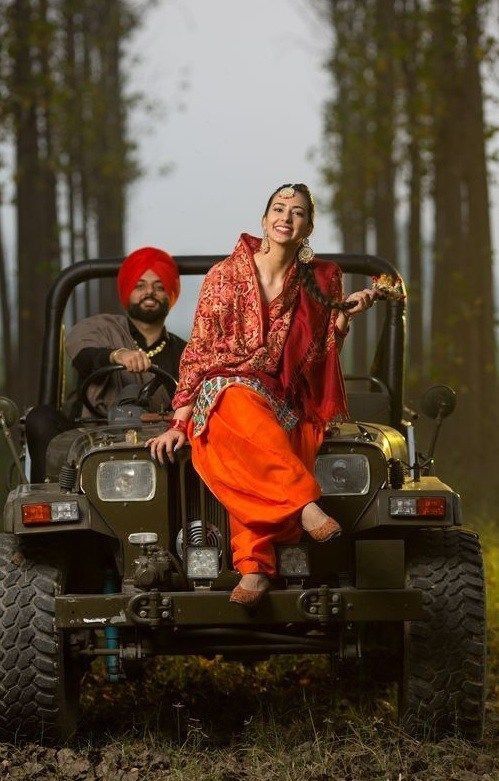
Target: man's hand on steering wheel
132, 360
161, 377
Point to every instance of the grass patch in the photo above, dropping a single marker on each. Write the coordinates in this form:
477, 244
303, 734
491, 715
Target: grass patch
284, 719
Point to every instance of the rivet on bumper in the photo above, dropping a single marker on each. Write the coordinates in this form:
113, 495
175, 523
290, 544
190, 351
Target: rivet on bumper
320, 604
151, 609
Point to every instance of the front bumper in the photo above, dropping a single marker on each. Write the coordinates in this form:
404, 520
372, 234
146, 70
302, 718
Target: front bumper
154, 609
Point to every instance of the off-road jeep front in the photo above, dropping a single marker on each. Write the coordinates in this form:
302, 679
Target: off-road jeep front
117, 556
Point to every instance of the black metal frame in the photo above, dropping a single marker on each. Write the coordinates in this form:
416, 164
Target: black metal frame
199, 264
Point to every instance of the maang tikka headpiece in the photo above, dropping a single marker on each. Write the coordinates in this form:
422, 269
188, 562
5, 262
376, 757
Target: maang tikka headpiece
286, 192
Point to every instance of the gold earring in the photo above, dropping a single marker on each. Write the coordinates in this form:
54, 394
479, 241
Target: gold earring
265, 245
305, 253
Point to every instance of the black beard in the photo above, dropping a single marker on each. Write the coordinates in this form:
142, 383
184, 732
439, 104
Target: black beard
135, 312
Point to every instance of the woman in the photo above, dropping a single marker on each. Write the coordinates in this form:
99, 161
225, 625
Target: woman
259, 382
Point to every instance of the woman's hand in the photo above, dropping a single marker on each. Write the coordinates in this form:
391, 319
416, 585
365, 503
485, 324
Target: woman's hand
170, 441
364, 299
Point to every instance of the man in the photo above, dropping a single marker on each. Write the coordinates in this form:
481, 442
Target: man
148, 286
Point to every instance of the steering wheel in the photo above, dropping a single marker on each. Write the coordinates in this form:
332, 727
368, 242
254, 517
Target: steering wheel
146, 392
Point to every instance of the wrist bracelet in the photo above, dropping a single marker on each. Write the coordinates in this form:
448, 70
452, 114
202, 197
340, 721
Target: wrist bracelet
178, 425
112, 357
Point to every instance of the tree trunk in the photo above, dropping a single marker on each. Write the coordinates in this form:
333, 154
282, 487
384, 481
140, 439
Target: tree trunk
411, 37
480, 366
73, 120
48, 162
346, 129
384, 196
449, 287
83, 156
110, 195
33, 267
463, 305
8, 367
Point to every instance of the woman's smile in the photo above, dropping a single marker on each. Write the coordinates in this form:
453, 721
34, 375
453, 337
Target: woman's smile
287, 219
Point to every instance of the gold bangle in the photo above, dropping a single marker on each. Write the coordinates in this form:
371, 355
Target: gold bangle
112, 357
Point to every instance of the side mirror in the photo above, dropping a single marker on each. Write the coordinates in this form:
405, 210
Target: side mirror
9, 411
439, 401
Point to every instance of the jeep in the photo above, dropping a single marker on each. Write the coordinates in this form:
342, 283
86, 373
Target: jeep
116, 556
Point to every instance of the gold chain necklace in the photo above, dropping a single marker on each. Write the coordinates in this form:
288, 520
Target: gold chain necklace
152, 353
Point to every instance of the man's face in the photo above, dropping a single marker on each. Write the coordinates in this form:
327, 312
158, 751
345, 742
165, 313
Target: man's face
148, 300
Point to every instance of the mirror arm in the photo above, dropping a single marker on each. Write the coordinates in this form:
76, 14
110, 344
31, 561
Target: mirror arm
12, 448
439, 420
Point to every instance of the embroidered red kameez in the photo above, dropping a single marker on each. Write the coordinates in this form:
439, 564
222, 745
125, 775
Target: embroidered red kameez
265, 380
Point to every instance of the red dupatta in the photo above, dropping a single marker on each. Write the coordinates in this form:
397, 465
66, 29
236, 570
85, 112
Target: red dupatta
296, 358
309, 377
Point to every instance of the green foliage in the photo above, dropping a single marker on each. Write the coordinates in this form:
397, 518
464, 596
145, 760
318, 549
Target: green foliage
64, 106
405, 127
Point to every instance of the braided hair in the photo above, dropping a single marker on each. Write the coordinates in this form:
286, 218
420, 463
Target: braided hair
305, 270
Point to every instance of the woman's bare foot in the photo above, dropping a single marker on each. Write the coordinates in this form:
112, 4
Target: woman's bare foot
250, 589
319, 525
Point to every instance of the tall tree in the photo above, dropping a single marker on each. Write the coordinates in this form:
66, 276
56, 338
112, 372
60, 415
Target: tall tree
5, 313
347, 138
113, 21
382, 148
481, 376
37, 230
6, 331
65, 107
449, 287
360, 131
418, 111
463, 349
412, 52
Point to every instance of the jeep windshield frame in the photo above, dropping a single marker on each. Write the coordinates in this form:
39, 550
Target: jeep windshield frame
388, 364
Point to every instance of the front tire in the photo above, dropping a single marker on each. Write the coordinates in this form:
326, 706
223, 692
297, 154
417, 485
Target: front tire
39, 681
442, 686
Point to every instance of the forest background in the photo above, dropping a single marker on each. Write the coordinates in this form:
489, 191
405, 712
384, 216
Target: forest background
404, 168
405, 163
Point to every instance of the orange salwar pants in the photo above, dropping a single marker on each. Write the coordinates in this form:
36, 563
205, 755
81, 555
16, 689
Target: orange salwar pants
262, 474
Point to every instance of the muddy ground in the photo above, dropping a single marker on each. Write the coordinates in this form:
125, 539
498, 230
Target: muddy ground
283, 719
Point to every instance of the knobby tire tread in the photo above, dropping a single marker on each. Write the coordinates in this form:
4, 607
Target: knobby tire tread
443, 685
33, 699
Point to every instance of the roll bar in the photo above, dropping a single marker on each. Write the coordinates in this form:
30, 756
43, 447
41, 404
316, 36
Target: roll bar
83, 271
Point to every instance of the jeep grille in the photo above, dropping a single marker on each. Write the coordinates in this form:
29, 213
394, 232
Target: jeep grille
198, 503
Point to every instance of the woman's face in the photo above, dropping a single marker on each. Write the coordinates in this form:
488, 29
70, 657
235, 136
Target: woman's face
287, 220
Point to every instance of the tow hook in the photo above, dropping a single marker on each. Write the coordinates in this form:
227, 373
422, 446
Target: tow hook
151, 608
320, 604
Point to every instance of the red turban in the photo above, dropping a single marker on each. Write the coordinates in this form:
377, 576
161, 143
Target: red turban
145, 259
